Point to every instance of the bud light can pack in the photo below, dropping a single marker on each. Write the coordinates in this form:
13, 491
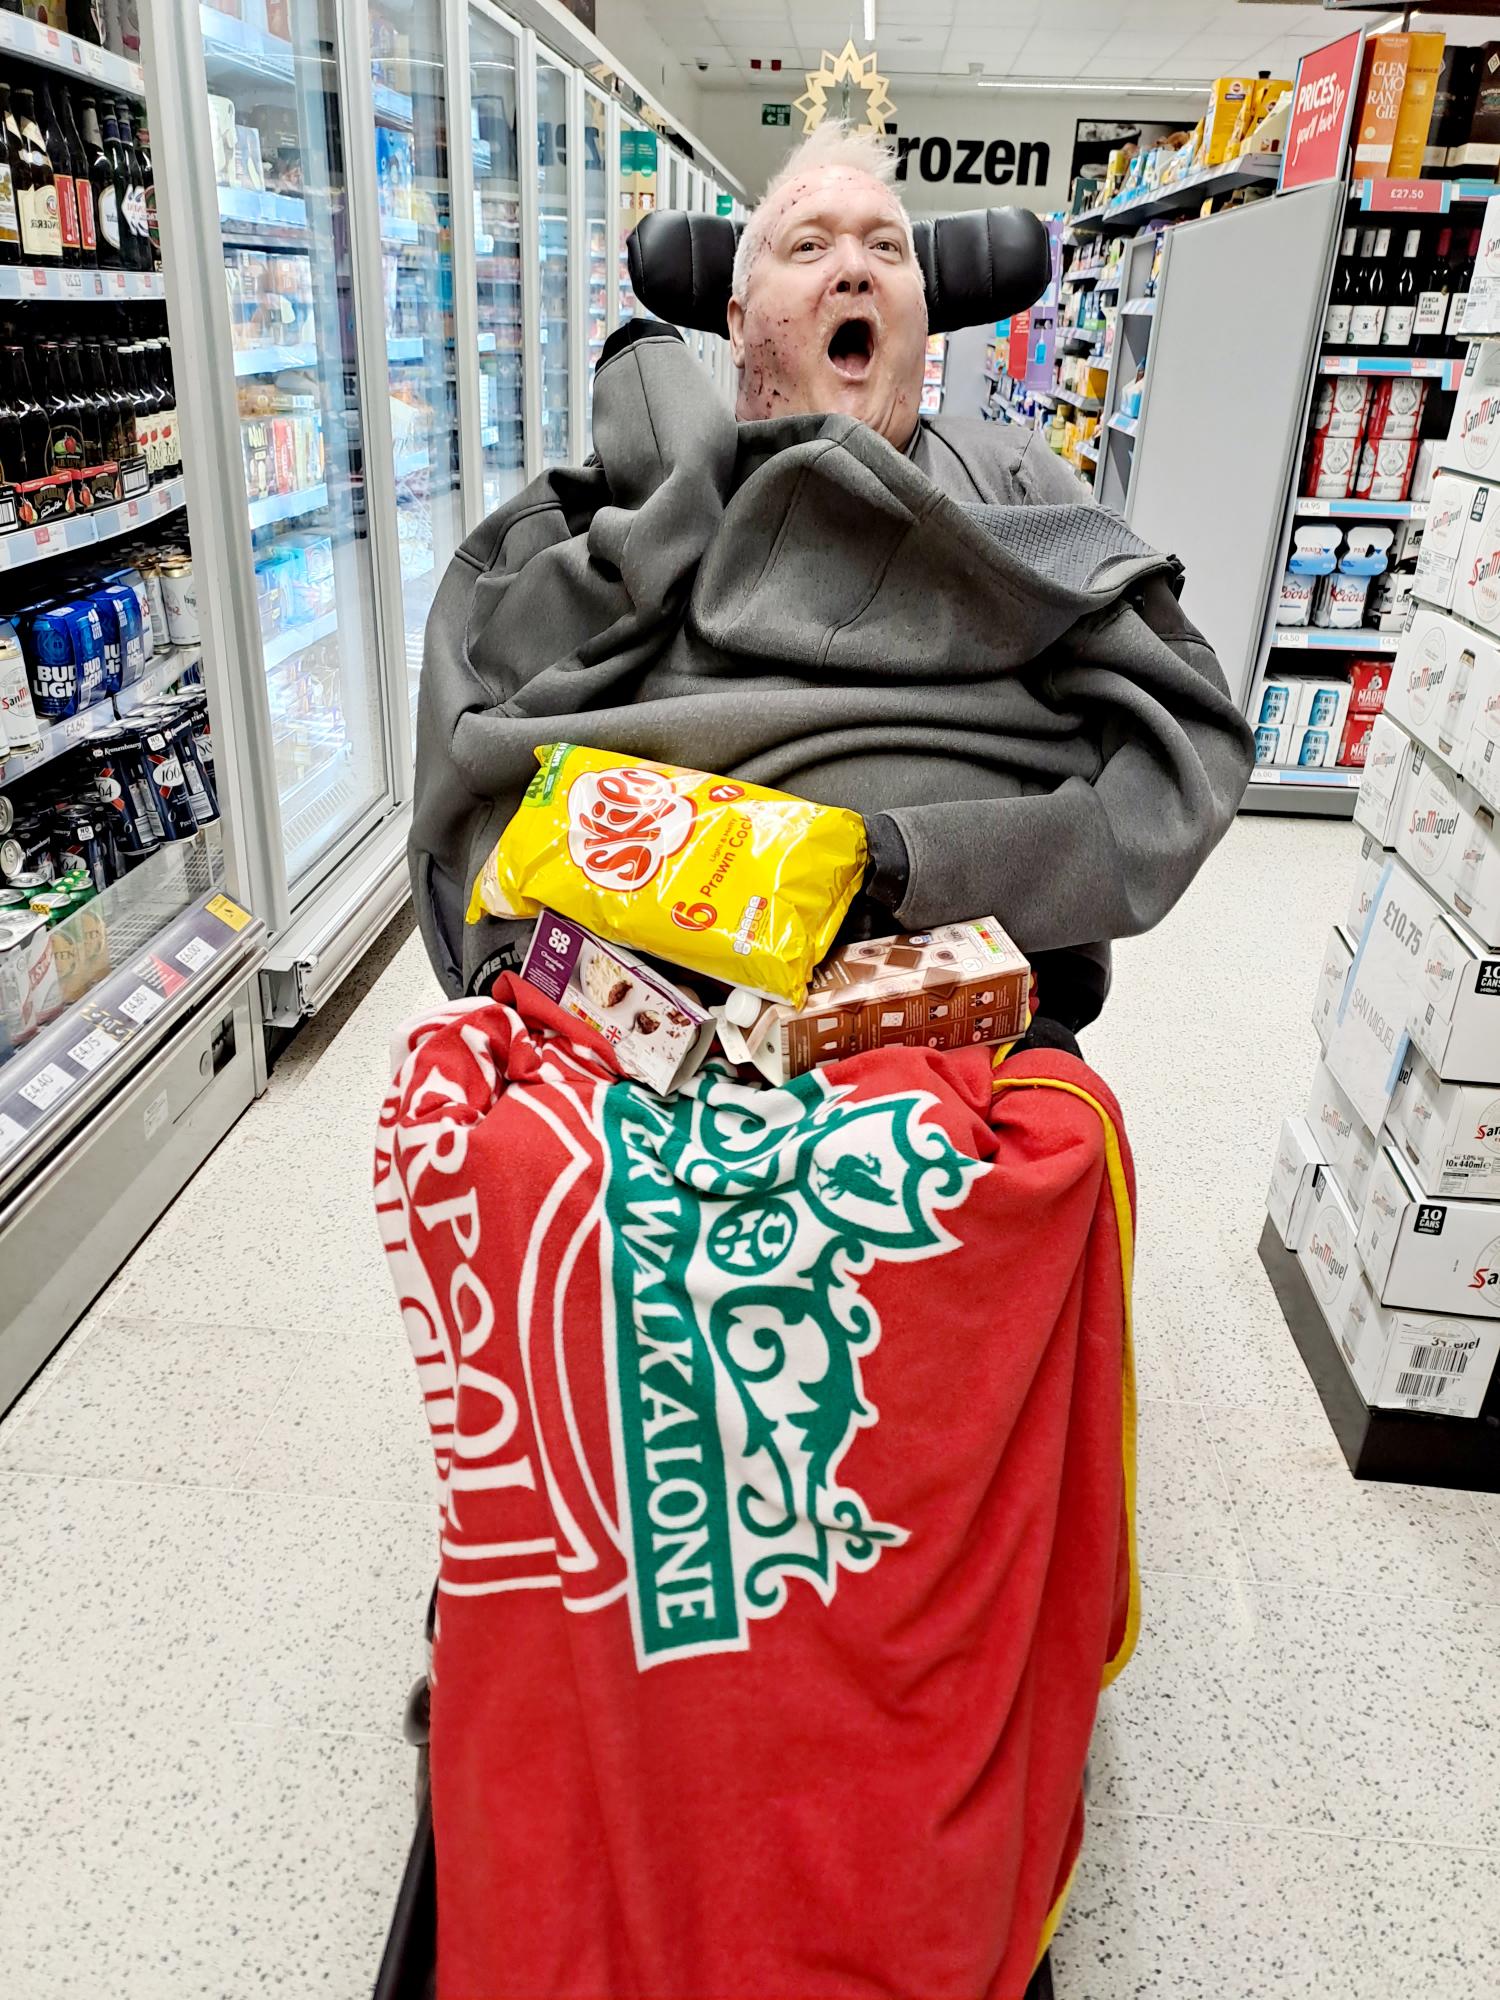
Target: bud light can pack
64, 649
120, 617
135, 582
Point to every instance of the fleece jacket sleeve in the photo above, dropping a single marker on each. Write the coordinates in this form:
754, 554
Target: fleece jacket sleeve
1108, 857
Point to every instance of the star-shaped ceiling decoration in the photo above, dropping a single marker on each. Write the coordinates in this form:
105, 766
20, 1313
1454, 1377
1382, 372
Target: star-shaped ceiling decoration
845, 73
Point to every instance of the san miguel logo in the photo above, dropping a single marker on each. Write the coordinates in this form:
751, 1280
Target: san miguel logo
1487, 1131
1432, 823
624, 824
1426, 675
1328, 1249
1486, 1278
737, 1232
1477, 427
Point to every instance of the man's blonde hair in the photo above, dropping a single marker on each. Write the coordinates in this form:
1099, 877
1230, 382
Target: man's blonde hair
831, 145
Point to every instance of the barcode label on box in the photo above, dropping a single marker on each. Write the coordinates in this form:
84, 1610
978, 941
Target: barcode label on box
1422, 1388
1437, 1357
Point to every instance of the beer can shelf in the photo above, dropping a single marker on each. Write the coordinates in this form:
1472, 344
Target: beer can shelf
273, 360
165, 670
82, 531
1330, 640
52, 285
287, 506
1447, 374
84, 61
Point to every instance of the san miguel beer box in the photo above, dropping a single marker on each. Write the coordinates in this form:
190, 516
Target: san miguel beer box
951, 988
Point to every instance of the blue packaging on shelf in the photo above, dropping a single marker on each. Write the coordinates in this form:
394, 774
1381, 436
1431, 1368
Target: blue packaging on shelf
65, 657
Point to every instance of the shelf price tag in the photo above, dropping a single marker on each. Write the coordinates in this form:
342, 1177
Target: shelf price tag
1413, 197
141, 1004
47, 1086
1297, 639
1315, 507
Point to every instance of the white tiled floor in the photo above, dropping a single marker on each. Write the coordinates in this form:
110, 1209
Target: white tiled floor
215, 1549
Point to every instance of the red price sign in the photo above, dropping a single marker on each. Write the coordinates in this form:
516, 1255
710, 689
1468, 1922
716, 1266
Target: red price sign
1416, 197
1322, 113
1019, 346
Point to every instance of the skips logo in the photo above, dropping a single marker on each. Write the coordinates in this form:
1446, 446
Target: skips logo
624, 825
737, 1229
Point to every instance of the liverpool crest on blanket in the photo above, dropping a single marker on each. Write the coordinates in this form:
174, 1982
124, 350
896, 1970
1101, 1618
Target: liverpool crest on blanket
700, 1260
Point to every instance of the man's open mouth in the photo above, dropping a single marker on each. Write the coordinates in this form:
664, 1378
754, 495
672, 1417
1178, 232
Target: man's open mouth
852, 348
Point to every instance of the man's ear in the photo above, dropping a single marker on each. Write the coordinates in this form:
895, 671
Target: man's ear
736, 315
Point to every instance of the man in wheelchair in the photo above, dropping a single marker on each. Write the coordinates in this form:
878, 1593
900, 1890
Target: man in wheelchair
923, 621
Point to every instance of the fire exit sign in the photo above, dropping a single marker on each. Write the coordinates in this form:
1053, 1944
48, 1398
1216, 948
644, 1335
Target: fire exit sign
776, 114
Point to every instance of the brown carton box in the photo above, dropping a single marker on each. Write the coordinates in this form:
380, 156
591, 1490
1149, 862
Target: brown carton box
959, 986
1395, 105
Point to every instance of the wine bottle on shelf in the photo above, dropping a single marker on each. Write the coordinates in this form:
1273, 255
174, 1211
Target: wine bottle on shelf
10, 227
122, 172
35, 186
64, 426
106, 194
83, 186
1401, 306
1341, 301
97, 476
137, 216
148, 186
1367, 320
1463, 266
86, 21
62, 179
1432, 297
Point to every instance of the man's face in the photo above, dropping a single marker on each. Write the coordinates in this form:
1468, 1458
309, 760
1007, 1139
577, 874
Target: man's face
834, 318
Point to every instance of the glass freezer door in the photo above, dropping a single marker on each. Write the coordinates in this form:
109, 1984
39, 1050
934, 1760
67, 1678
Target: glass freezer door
282, 200
494, 88
596, 240
637, 195
409, 98
552, 218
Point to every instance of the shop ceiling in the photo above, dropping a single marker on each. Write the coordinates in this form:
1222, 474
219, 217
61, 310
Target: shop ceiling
950, 45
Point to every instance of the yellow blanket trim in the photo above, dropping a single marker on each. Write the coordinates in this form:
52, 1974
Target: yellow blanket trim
1125, 1231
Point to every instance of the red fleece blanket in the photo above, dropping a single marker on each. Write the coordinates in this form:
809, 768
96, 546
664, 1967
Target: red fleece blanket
785, 1439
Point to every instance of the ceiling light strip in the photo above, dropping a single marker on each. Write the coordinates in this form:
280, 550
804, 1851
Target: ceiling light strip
1086, 86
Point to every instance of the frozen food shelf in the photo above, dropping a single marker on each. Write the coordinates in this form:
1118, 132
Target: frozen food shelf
283, 646
83, 61
230, 43
411, 347
1445, 373
173, 940
287, 506
273, 360
59, 737
1313, 639
46, 281
392, 107
1363, 510
1126, 426
82, 531
243, 210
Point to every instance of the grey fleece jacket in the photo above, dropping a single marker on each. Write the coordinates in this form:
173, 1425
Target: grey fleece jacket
949, 639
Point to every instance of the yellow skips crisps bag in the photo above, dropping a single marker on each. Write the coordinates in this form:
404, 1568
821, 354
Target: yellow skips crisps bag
728, 879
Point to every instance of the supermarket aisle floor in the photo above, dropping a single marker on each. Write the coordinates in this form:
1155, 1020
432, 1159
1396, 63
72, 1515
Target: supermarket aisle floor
215, 1546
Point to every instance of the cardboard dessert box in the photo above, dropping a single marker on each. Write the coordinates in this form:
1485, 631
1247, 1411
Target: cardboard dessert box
659, 1034
959, 986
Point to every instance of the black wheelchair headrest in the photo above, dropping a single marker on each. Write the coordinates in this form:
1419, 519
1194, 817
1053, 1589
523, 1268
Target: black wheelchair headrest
985, 264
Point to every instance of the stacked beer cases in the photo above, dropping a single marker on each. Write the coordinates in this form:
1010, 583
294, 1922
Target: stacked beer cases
1387, 1185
